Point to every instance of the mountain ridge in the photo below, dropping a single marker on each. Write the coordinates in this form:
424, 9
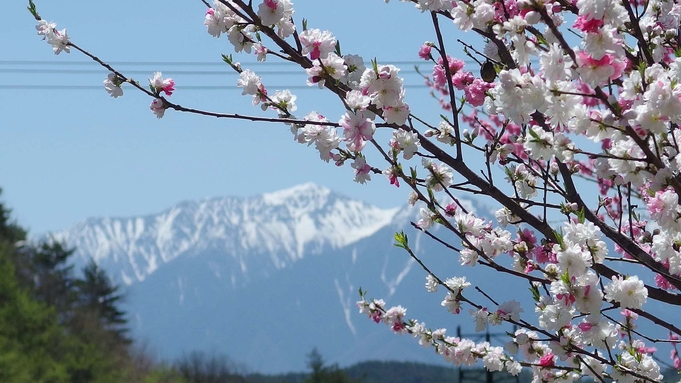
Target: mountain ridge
296, 220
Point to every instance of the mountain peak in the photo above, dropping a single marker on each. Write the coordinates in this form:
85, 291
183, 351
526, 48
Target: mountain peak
306, 191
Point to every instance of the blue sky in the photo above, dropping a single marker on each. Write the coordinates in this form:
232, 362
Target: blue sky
70, 154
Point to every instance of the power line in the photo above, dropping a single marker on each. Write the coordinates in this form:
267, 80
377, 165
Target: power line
179, 88
141, 72
181, 63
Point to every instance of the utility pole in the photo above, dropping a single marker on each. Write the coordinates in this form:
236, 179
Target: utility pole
474, 375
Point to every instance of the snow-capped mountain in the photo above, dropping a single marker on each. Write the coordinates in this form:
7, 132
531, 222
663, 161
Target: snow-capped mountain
265, 279
280, 226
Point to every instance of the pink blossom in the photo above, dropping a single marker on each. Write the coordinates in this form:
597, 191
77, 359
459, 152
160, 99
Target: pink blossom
595, 71
317, 43
450, 209
547, 360
157, 107
568, 299
590, 26
476, 92
166, 85
455, 65
663, 282
424, 52
392, 175
528, 236
630, 315
586, 89
357, 129
260, 52
439, 75
462, 79
362, 170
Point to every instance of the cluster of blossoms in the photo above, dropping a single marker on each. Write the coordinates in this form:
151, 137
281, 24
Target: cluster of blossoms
112, 85
222, 19
541, 355
461, 352
277, 13
252, 85
59, 40
474, 88
378, 87
158, 84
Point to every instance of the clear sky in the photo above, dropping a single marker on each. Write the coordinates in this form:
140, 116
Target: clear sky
68, 154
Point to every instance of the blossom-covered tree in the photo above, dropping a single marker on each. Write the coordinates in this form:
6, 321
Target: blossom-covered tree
586, 134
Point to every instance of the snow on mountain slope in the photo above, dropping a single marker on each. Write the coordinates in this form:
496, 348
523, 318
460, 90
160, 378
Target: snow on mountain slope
267, 232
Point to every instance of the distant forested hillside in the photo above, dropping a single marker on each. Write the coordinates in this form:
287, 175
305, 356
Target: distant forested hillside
398, 372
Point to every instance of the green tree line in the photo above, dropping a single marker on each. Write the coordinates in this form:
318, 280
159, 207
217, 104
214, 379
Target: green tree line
57, 325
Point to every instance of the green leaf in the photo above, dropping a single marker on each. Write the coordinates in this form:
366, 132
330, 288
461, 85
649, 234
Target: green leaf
565, 277
304, 24
533, 134
431, 195
31, 7
338, 48
581, 215
535, 293
401, 240
559, 238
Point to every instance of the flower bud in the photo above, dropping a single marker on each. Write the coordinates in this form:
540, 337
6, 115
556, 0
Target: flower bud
532, 17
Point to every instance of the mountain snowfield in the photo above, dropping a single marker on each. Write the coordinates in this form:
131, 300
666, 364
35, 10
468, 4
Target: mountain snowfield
265, 279
283, 225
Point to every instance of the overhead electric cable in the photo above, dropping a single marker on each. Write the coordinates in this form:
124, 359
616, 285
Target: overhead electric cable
171, 72
183, 63
178, 88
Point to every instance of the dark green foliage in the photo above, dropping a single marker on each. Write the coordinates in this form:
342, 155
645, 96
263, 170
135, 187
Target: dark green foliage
44, 269
9, 231
398, 372
201, 367
30, 336
325, 374
98, 299
57, 328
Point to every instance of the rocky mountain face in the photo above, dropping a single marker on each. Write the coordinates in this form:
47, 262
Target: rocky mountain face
260, 234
